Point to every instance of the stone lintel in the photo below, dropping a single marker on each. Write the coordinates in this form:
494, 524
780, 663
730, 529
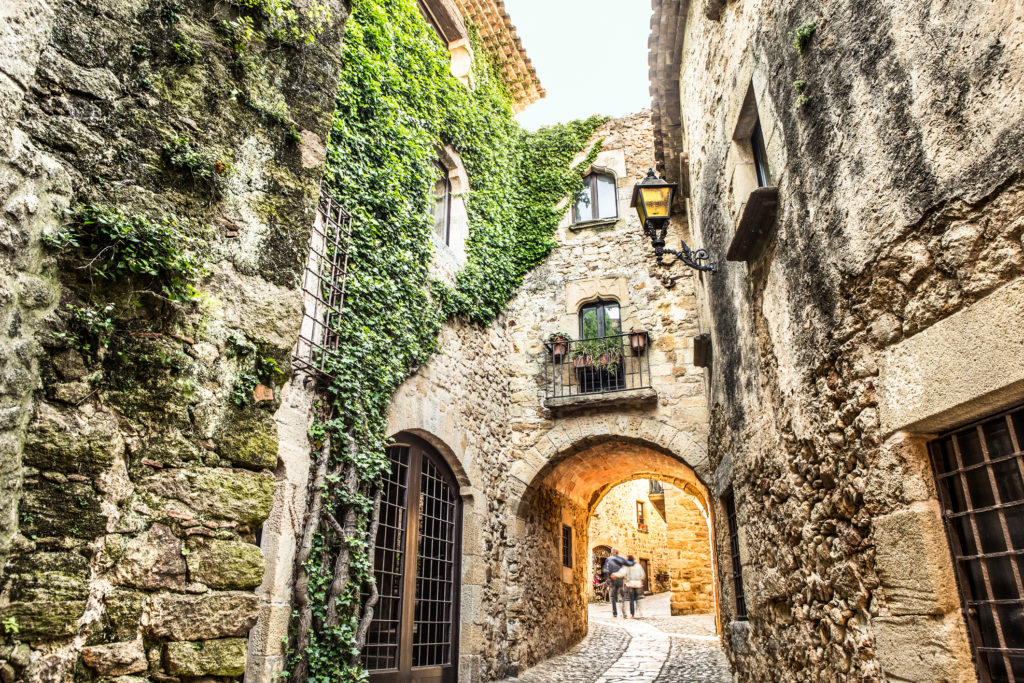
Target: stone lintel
960, 369
619, 399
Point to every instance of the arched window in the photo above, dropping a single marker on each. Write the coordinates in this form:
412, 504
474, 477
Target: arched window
597, 200
600, 319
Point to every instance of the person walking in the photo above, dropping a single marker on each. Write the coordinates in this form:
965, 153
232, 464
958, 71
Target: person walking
634, 584
612, 566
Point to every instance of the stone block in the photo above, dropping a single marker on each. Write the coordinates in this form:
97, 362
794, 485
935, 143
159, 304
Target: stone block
123, 610
200, 617
153, 561
249, 440
217, 492
225, 564
920, 390
116, 659
44, 620
68, 508
923, 648
913, 561
206, 657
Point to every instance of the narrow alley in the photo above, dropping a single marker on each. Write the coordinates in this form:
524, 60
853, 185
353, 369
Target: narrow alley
656, 647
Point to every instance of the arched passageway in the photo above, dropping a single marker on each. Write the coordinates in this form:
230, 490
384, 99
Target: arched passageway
557, 509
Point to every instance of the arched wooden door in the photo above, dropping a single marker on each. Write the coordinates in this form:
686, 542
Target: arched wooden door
414, 635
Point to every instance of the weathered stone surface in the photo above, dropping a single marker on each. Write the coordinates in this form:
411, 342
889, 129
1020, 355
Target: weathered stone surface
44, 620
199, 617
67, 508
225, 564
220, 493
206, 658
250, 440
72, 442
116, 659
123, 611
56, 576
153, 561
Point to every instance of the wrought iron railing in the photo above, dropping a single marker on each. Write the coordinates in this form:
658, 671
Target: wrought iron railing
575, 367
655, 486
323, 288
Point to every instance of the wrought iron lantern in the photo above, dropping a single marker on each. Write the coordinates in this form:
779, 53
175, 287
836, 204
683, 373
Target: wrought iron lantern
653, 201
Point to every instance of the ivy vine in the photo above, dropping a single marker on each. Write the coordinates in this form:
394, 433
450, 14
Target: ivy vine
396, 104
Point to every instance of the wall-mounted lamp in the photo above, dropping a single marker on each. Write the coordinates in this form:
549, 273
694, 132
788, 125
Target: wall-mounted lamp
653, 201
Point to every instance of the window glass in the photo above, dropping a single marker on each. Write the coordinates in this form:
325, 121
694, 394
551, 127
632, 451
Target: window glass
600, 319
442, 204
606, 204
583, 205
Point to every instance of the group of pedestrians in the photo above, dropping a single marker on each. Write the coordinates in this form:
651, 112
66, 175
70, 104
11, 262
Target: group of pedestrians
625, 579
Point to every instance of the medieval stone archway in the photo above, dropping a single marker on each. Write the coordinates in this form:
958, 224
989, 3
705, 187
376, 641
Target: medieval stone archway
564, 478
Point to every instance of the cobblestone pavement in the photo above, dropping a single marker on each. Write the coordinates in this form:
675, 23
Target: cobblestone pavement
655, 648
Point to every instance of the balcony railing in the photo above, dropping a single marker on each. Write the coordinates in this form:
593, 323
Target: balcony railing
598, 365
656, 487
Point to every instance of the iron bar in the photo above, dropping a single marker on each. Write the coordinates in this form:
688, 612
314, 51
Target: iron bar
597, 365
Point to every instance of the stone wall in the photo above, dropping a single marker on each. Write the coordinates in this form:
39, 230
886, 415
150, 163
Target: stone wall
614, 523
526, 471
899, 182
689, 545
138, 462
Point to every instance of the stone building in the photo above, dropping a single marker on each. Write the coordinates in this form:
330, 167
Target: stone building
855, 169
668, 531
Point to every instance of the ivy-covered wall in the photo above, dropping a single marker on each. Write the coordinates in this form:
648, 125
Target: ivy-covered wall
396, 105
159, 167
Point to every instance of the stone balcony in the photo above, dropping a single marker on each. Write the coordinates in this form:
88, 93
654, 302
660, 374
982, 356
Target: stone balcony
612, 371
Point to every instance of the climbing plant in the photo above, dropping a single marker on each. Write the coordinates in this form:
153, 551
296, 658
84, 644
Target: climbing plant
396, 104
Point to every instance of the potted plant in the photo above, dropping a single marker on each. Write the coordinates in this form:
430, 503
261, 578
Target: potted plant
638, 340
661, 576
559, 344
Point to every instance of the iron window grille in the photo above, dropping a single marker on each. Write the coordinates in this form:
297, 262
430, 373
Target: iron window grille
734, 551
323, 288
979, 472
567, 546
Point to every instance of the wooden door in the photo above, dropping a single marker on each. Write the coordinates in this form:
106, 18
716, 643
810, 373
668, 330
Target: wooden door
647, 575
414, 633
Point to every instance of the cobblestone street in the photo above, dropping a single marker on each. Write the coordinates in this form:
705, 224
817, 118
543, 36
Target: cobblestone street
656, 647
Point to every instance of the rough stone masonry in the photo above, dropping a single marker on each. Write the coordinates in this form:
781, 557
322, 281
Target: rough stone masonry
136, 473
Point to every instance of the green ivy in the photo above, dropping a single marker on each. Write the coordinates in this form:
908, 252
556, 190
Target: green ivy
161, 257
396, 104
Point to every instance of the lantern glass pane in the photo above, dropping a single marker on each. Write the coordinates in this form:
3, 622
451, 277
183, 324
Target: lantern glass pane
656, 200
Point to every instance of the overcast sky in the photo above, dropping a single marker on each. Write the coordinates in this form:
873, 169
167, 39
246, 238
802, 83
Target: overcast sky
590, 55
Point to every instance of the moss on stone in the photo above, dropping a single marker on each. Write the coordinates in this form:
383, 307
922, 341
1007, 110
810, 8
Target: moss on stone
123, 611
49, 576
44, 620
225, 564
217, 492
249, 439
71, 508
225, 657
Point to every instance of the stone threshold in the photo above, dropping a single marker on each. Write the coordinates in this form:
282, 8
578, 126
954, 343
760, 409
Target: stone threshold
620, 399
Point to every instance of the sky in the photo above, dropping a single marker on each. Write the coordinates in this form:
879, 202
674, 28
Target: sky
590, 55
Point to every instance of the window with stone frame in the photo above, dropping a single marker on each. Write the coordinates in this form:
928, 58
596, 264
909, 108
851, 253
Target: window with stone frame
567, 546
734, 552
597, 200
641, 520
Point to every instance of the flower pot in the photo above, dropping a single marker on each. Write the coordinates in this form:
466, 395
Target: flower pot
559, 347
638, 341
582, 361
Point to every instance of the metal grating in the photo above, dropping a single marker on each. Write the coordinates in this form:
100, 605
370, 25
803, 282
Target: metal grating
980, 475
734, 551
435, 576
596, 365
384, 636
567, 546
323, 287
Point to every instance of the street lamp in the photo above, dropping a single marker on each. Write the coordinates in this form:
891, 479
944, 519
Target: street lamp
653, 201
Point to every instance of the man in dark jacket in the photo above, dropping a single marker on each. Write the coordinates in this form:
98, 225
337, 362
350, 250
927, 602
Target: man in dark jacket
614, 563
